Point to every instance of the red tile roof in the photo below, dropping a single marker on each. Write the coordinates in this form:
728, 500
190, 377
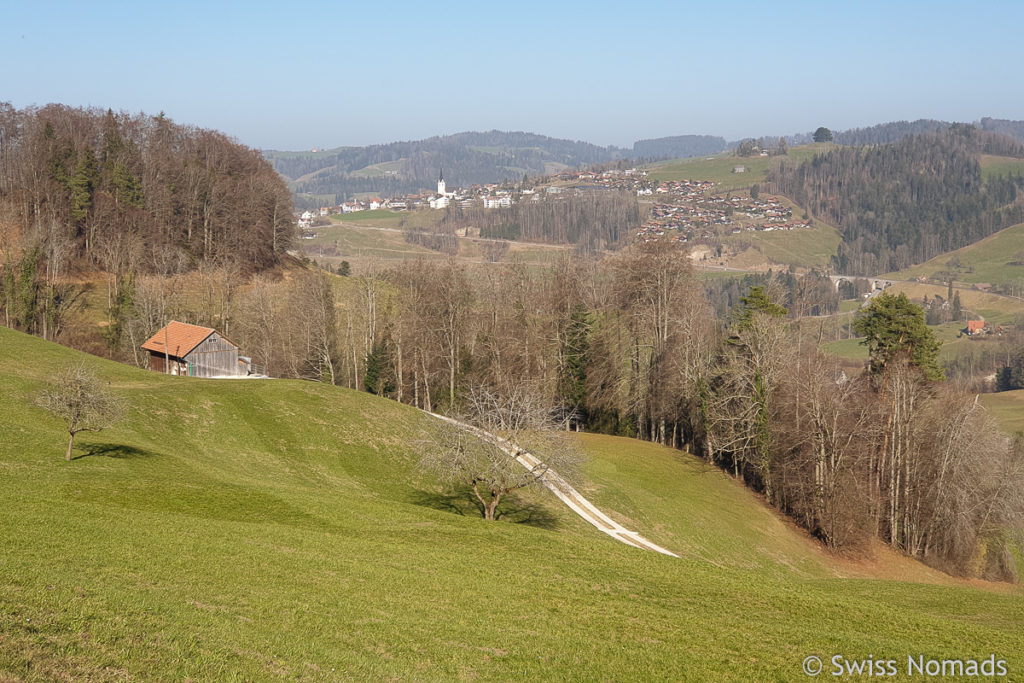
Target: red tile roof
181, 338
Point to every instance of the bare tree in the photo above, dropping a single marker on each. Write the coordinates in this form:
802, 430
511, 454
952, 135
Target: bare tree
505, 443
82, 402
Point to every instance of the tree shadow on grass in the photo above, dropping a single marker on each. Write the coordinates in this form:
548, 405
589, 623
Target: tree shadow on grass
463, 502
112, 450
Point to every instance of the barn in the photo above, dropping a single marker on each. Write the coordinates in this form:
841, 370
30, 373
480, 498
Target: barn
194, 351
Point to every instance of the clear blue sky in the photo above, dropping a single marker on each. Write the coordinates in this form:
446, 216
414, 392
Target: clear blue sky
294, 75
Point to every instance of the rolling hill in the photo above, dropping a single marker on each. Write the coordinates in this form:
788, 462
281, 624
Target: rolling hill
400, 168
279, 529
996, 259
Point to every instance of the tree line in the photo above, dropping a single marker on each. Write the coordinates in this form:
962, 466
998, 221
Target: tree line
592, 220
630, 345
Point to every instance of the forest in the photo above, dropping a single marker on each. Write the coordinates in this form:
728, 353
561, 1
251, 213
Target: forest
590, 220
679, 147
91, 190
905, 202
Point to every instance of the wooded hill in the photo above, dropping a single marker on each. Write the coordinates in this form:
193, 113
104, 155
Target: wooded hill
407, 167
135, 192
908, 201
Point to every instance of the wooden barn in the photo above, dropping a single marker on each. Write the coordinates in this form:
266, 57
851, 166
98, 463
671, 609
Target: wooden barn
194, 351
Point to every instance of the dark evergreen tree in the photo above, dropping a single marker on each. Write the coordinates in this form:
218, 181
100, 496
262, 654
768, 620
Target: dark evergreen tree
893, 326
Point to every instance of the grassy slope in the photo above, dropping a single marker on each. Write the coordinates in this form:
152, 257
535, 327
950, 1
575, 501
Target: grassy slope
996, 165
718, 169
988, 260
1008, 408
806, 247
992, 307
230, 530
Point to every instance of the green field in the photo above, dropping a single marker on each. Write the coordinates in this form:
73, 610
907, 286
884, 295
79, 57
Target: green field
381, 169
381, 218
993, 260
719, 169
948, 334
992, 307
1008, 408
996, 166
805, 247
264, 530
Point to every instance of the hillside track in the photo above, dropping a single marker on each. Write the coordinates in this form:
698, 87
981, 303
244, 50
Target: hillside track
564, 491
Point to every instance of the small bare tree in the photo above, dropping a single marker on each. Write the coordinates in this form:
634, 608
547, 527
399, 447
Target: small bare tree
504, 443
82, 401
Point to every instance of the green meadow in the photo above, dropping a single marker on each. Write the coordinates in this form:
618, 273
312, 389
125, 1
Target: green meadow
998, 258
811, 247
1000, 166
719, 169
266, 530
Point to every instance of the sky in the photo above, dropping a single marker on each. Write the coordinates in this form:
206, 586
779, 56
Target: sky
304, 74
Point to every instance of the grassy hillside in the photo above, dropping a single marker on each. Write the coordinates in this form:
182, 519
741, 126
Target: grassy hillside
1008, 408
276, 529
811, 247
992, 307
992, 165
993, 260
719, 169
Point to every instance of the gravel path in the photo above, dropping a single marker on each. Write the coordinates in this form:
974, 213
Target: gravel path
566, 493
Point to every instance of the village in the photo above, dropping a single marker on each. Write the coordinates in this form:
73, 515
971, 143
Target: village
678, 210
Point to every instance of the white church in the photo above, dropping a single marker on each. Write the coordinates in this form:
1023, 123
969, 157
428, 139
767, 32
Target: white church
443, 198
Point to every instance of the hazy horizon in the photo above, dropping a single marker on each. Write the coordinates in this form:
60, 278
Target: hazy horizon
318, 75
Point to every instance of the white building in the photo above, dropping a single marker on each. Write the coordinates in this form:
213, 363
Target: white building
443, 197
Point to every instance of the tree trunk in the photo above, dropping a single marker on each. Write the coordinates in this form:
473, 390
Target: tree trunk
71, 445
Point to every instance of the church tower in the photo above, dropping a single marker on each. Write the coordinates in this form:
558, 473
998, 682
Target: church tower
440, 183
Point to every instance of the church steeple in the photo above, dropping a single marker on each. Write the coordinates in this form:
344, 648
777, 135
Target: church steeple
440, 183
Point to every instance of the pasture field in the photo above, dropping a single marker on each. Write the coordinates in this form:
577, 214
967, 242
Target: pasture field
266, 530
1008, 408
719, 169
992, 307
999, 258
992, 165
811, 247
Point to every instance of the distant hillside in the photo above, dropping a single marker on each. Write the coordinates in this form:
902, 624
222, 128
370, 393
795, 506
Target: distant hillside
906, 202
1013, 129
404, 167
896, 130
888, 132
679, 147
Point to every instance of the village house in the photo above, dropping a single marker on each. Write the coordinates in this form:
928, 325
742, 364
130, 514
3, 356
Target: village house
194, 351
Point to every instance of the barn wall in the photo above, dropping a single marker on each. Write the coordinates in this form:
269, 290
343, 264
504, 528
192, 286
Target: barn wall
215, 357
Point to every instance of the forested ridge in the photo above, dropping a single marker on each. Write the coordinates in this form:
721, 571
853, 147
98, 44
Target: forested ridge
137, 189
85, 190
905, 202
679, 147
467, 159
